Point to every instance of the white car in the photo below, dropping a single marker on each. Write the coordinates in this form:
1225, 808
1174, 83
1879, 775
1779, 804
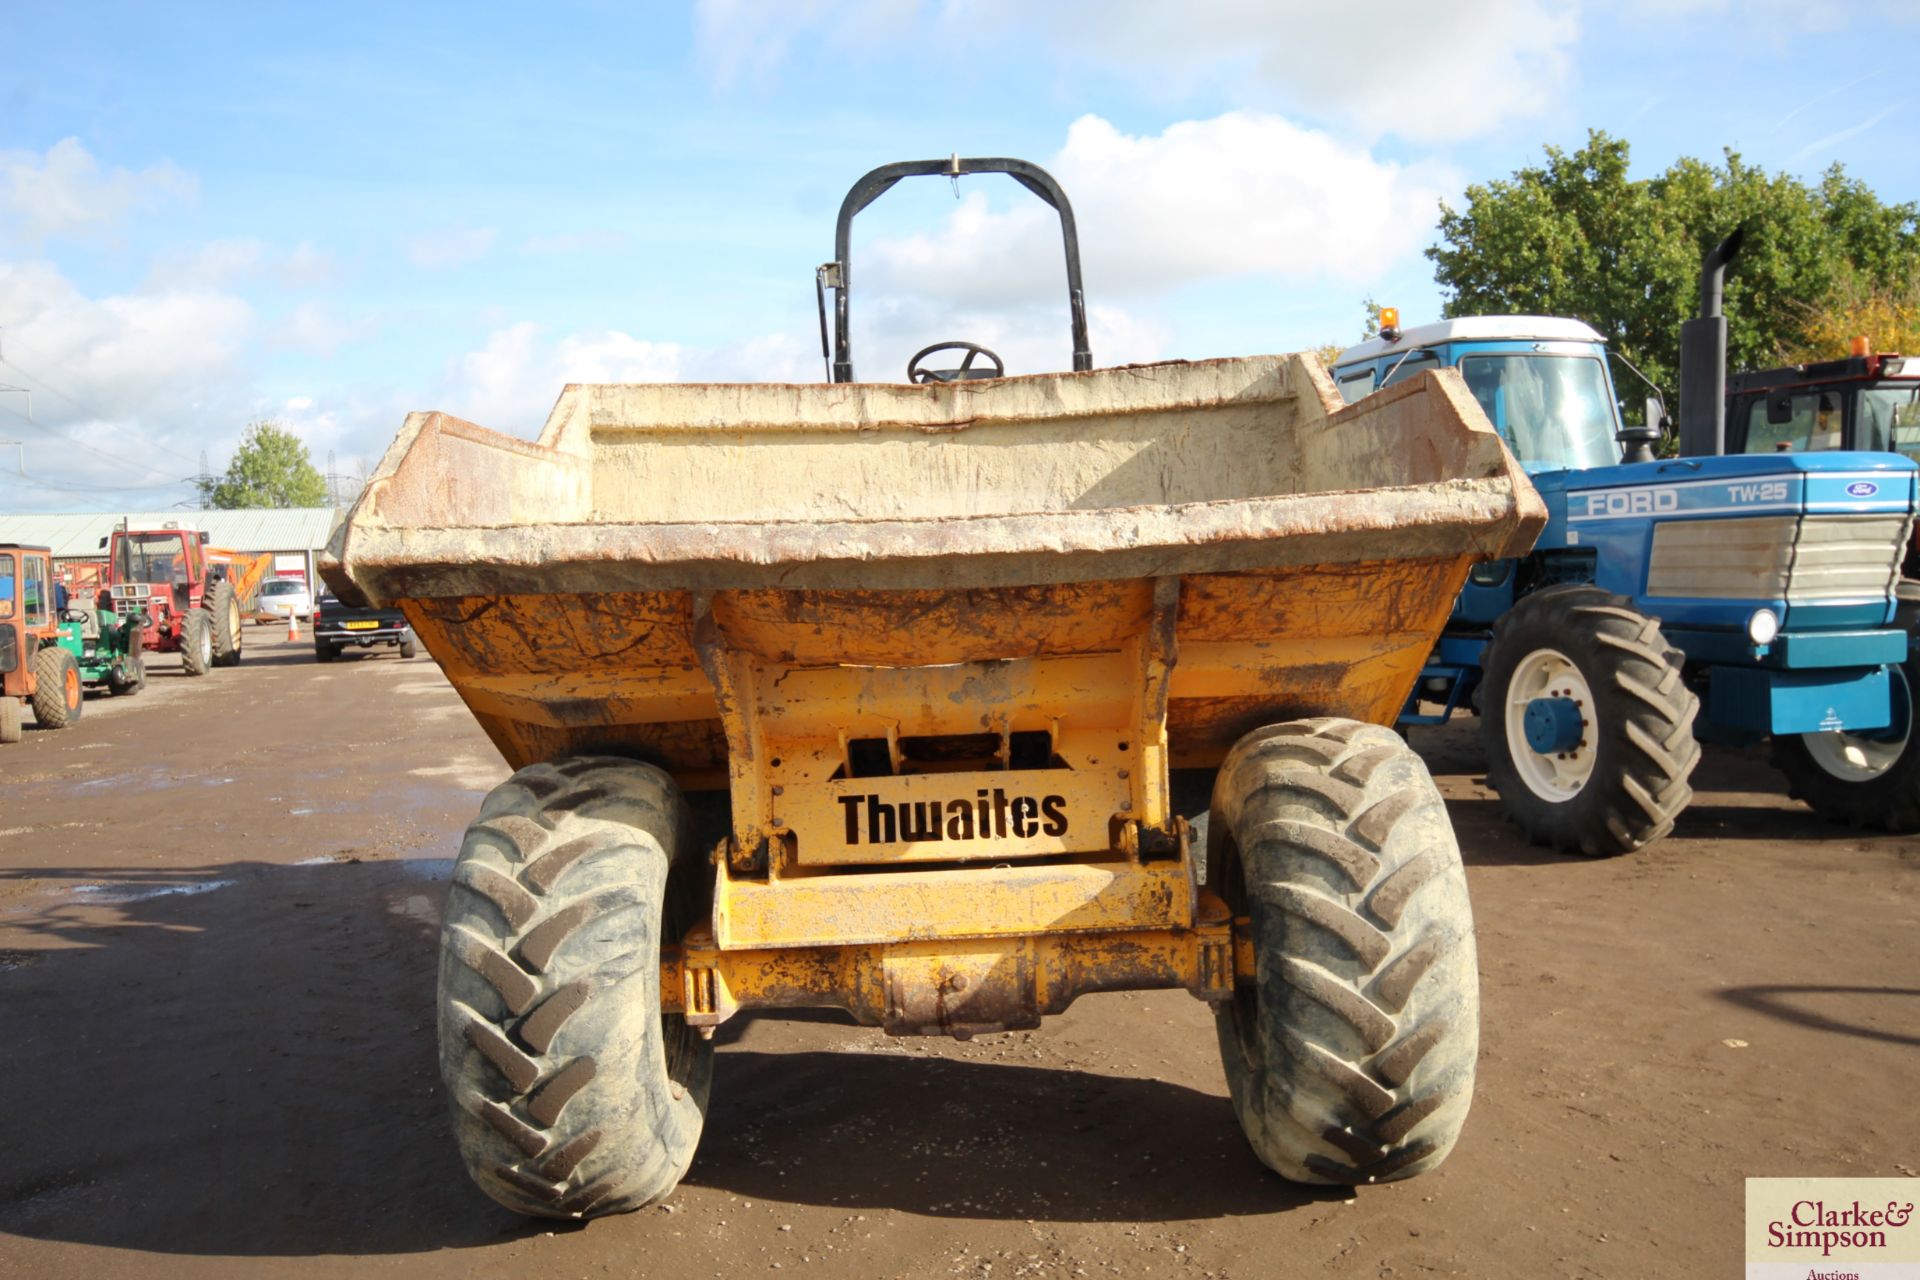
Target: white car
280, 597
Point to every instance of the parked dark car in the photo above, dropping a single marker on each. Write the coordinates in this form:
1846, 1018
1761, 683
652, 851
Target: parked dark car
336, 625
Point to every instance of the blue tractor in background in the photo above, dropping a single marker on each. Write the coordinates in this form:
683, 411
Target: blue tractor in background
1702, 598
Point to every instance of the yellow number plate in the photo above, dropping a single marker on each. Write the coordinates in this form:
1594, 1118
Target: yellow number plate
361, 626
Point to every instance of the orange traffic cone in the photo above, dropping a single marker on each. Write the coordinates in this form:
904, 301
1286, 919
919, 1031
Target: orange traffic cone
293, 625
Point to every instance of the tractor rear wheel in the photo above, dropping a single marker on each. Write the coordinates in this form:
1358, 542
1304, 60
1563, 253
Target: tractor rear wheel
1350, 1059
58, 698
224, 608
573, 1095
196, 642
10, 718
1587, 722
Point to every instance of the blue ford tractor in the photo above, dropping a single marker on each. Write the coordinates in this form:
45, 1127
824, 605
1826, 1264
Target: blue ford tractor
1668, 602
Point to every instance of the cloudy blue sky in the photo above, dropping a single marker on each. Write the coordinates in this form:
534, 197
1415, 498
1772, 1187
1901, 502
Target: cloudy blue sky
330, 215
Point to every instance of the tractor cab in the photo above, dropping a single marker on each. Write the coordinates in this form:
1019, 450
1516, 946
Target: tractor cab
1865, 402
159, 567
26, 611
1541, 380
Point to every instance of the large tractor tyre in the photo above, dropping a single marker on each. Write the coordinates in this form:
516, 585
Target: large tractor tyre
10, 719
1350, 1059
58, 698
573, 1095
1588, 722
128, 676
224, 609
196, 642
1863, 780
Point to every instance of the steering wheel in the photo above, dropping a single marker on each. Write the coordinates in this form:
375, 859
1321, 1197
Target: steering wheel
965, 373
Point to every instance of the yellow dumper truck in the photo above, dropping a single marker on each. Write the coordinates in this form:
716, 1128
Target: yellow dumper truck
944, 652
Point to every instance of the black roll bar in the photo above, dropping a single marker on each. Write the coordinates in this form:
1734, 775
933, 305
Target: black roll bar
835, 275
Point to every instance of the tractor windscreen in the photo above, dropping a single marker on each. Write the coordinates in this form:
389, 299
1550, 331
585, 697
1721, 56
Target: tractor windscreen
1552, 410
152, 557
1890, 419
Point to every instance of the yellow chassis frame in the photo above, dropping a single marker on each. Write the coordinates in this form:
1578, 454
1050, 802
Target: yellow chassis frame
959, 936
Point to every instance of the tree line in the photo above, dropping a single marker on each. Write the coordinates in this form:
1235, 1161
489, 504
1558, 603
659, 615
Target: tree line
1576, 236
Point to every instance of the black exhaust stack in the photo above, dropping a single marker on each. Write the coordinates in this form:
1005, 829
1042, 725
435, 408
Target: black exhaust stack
1703, 358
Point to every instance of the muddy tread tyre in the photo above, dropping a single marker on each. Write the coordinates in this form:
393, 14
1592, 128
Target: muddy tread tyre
572, 1095
1351, 1058
58, 698
224, 611
11, 728
1643, 716
196, 642
1889, 801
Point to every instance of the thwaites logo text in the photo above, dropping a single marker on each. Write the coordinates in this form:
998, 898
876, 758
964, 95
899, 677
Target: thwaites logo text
988, 815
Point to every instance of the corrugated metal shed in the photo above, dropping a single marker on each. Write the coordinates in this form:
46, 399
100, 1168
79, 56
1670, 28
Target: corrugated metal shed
263, 529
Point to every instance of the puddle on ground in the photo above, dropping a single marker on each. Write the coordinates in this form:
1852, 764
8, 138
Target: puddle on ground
135, 777
416, 906
121, 892
420, 907
413, 868
45, 826
425, 868
425, 686
468, 773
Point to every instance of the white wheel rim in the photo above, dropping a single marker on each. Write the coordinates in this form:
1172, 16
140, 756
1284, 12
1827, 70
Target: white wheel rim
1561, 775
206, 648
1853, 758
1850, 758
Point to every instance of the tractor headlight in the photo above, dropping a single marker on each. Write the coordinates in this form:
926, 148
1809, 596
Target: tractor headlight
1763, 626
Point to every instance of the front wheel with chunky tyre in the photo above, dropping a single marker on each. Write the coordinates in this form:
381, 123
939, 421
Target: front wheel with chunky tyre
196, 642
58, 698
573, 1095
127, 676
1869, 780
1351, 1058
1587, 722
